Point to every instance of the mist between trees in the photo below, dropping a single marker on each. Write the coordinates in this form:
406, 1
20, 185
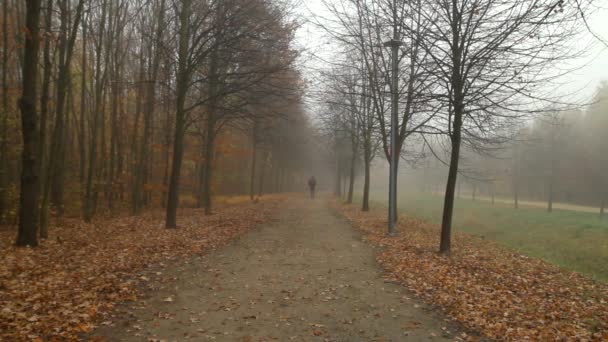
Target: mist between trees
115, 104
136, 104
477, 98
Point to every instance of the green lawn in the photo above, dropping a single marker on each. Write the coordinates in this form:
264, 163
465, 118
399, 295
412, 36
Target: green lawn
571, 239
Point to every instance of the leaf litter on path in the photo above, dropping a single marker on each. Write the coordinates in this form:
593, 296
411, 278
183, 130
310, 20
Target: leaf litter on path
62, 288
486, 287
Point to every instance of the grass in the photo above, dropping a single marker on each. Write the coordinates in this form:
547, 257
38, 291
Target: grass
574, 240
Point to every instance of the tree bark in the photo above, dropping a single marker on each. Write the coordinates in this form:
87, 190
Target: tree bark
90, 197
351, 180
338, 185
83, 93
367, 160
209, 149
455, 136
54, 178
44, 106
262, 172
180, 113
210, 134
28, 200
448, 203
254, 142
4, 160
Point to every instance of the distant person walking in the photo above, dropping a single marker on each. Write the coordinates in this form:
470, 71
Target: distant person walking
312, 183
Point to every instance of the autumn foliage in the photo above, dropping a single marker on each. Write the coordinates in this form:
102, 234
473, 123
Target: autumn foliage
487, 288
64, 287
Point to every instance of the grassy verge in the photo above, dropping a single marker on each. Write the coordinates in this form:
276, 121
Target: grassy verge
574, 240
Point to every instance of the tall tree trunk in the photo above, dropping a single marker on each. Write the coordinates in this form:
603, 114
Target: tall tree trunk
28, 200
448, 203
457, 96
113, 134
180, 113
83, 93
366, 181
210, 134
351, 180
44, 109
90, 197
55, 176
338, 185
209, 153
4, 160
137, 160
254, 149
551, 184
201, 176
167, 156
148, 112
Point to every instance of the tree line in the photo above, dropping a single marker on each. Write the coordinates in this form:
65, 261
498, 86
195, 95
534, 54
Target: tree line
557, 157
120, 103
470, 73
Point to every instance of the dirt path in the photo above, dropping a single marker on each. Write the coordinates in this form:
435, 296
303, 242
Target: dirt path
306, 277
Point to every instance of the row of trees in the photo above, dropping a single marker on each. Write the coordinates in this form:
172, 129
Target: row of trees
558, 157
124, 101
469, 73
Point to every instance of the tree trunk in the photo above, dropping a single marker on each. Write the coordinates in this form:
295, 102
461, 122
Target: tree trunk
44, 106
448, 204
28, 200
90, 197
209, 149
365, 205
338, 185
254, 142
457, 96
351, 180
262, 171
148, 113
180, 114
83, 93
164, 194
210, 134
55, 177
4, 160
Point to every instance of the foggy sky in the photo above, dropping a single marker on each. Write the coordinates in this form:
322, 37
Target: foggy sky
581, 83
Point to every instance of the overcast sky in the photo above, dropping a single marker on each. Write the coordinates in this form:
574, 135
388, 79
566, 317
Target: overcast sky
582, 82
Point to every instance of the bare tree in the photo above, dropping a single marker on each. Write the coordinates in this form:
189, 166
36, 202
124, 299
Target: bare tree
28, 200
489, 56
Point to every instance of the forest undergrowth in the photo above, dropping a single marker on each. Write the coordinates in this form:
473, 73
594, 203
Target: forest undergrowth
59, 290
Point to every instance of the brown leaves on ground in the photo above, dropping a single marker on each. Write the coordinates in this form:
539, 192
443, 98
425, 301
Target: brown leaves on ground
488, 288
56, 291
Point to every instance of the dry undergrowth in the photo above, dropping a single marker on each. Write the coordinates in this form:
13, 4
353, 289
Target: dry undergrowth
488, 288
